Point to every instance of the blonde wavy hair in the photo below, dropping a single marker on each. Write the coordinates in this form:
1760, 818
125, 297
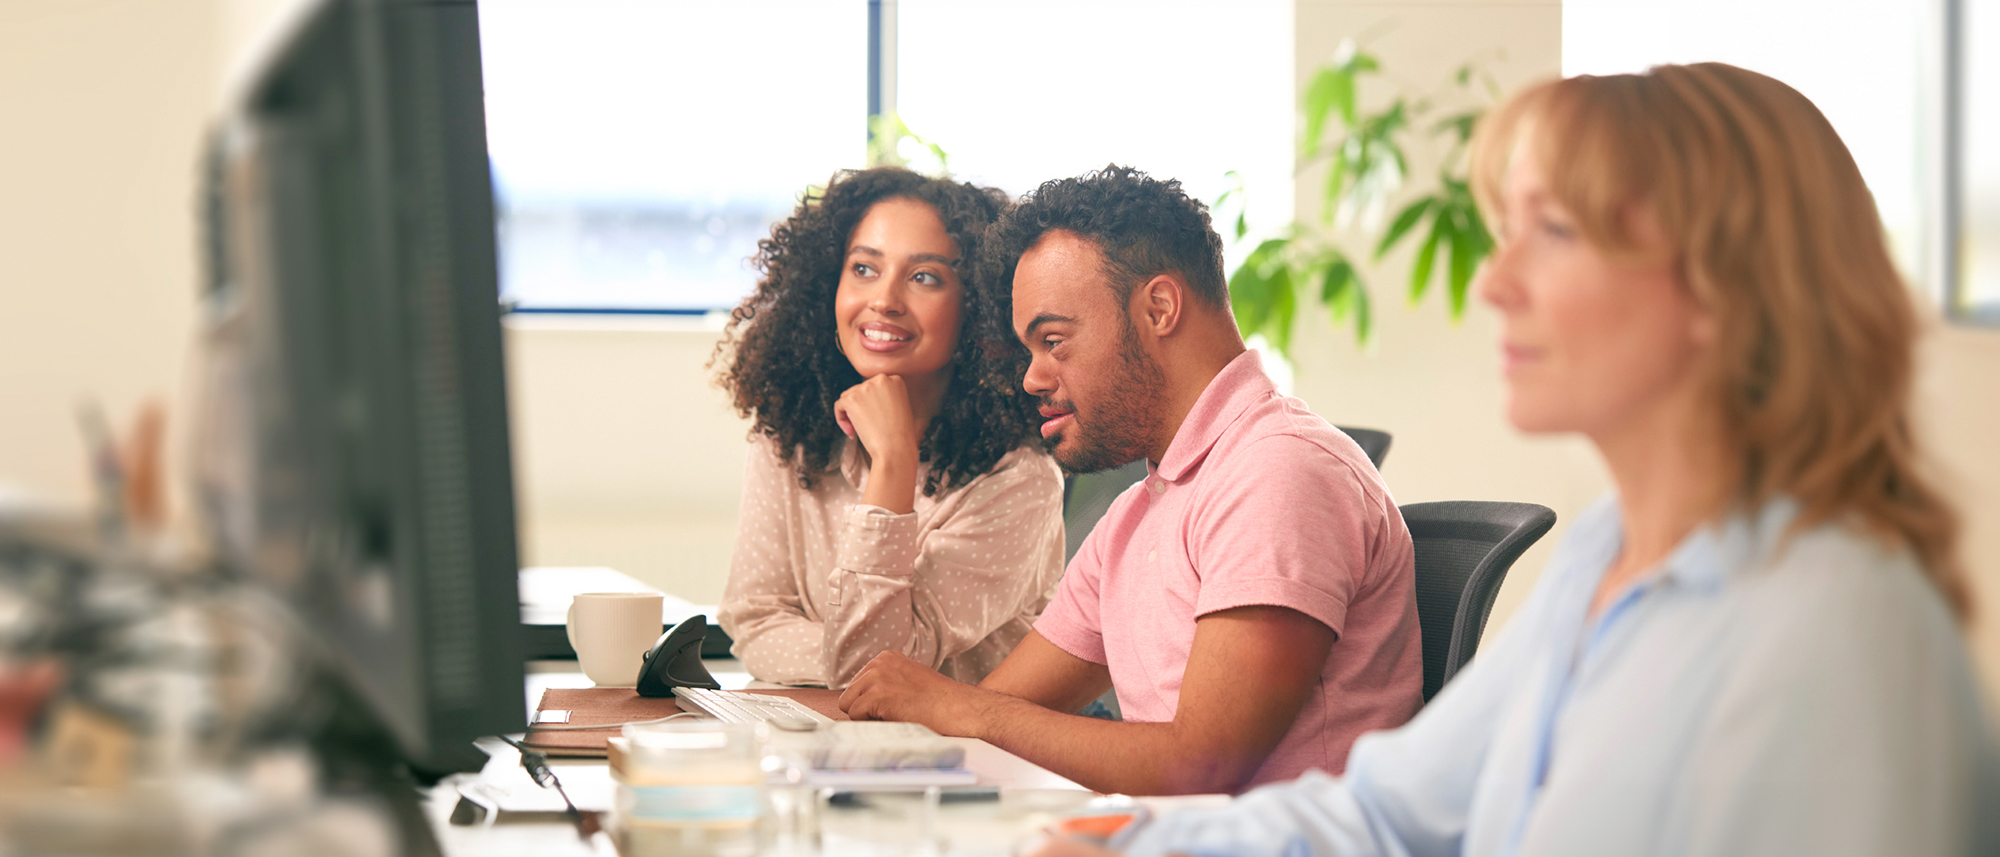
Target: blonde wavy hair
1778, 237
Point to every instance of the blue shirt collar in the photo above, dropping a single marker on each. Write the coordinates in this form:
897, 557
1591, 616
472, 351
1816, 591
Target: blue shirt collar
1738, 541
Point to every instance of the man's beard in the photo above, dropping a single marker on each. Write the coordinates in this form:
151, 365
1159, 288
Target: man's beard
1124, 420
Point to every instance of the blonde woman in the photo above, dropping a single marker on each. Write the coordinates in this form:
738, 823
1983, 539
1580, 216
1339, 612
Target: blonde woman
1753, 646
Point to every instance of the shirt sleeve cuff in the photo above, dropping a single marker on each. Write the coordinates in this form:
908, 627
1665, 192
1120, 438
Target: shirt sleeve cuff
1079, 643
874, 540
1274, 592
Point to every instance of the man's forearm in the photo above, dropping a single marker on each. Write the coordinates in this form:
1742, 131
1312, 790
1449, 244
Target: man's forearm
1105, 755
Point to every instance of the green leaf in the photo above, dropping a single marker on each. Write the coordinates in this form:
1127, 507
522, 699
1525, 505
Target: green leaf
1268, 252
1249, 298
1478, 228
1364, 316
1242, 225
1462, 123
1343, 98
1420, 273
1464, 257
1336, 179
1284, 308
1472, 246
1320, 101
1334, 283
1402, 163
1405, 219
1250, 288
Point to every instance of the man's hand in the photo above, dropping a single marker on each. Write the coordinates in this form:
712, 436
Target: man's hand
893, 687
877, 412
1249, 674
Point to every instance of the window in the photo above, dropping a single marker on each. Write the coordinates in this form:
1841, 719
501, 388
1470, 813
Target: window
1858, 60
1032, 90
640, 149
1974, 239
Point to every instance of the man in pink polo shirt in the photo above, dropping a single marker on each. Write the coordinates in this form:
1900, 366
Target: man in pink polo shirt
1252, 600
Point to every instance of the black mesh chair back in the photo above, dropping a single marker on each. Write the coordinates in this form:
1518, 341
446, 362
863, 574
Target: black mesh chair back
1372, 441
1088, 496
1464, 548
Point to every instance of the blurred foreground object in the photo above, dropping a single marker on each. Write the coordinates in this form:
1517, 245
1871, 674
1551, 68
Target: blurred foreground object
168, 711
24, 688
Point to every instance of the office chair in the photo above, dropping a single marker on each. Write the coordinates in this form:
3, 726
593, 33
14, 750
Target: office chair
1372, 441
1087, 496
1464, 548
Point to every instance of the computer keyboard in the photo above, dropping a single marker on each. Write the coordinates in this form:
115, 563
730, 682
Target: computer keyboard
738, 707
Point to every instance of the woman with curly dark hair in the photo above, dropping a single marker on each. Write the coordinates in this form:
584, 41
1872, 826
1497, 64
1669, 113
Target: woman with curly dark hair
895, 496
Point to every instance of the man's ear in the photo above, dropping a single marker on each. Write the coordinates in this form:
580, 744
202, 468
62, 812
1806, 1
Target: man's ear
1157, 305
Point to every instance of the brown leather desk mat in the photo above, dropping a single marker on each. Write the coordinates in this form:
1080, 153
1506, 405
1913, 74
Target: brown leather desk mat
619, 705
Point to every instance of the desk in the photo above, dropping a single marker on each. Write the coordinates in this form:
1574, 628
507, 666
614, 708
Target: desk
888, 823
1031, 798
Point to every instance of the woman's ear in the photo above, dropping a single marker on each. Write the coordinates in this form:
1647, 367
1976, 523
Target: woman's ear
1704, 329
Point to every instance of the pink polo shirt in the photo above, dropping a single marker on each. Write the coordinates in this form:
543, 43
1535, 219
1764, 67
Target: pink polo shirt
1257, 502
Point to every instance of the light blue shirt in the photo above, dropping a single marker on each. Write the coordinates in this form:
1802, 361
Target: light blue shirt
1751, 696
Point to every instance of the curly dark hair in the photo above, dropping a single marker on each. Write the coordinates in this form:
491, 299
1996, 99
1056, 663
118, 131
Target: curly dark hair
783, 365
1144, 227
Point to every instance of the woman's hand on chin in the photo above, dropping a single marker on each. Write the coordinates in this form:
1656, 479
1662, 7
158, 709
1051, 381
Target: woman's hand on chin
877, 412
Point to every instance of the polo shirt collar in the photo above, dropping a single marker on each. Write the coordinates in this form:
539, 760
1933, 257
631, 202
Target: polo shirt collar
1228, 395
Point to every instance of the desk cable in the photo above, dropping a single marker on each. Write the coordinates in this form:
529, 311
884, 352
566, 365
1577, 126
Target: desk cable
538, 769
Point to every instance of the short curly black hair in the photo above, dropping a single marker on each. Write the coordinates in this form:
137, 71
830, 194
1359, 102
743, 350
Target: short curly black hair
780, 351
1144, 227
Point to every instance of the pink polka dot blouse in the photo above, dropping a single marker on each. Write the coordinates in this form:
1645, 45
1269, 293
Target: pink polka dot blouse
820, 583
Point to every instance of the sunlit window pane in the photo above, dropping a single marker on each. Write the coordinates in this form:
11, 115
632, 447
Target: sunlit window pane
1022, 92
1980, 148
640, 149
1856, 59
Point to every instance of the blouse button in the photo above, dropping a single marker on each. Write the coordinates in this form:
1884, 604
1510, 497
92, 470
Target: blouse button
1159, 486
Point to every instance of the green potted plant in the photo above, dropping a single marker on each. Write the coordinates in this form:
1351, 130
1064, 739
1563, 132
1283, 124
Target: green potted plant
1367, 153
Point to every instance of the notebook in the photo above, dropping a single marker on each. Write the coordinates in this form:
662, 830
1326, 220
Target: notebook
615, 706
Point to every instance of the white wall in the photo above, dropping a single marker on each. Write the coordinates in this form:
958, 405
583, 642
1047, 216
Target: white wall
103, 103
624, 454
1958, 412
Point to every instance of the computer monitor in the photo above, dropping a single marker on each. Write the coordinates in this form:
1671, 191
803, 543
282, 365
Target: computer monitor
353, 452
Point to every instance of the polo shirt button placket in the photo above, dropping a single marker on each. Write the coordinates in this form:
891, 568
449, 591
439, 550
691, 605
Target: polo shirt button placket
1159, 486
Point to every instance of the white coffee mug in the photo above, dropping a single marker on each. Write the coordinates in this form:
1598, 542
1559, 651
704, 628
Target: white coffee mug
612, 631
